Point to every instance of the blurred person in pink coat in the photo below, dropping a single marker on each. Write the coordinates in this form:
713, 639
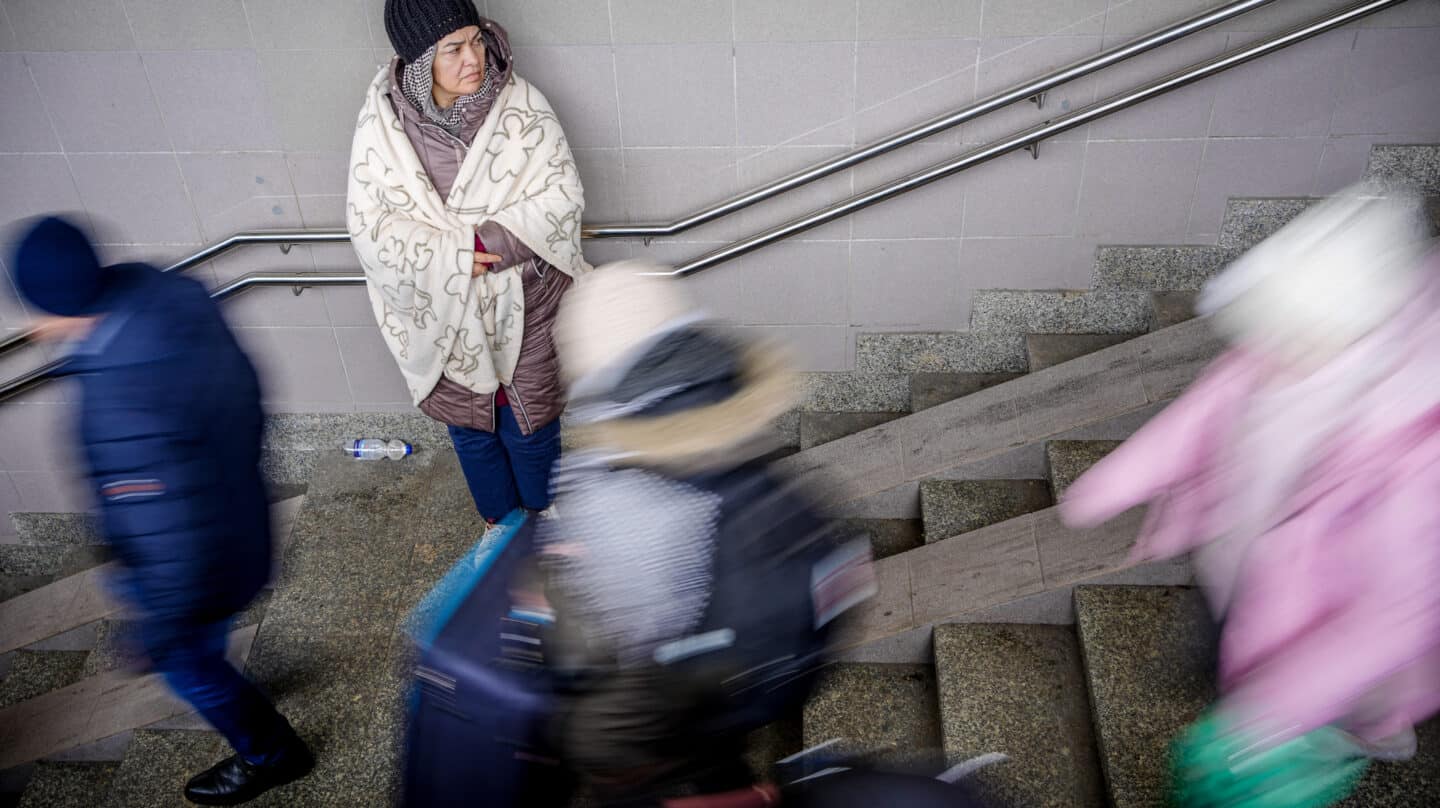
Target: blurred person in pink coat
1303, 471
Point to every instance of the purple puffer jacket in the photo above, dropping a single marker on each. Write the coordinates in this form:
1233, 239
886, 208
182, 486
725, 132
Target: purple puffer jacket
535, 392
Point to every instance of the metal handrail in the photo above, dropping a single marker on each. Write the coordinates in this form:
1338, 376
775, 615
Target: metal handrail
1031, 137
49, 370
285, 238
1021, 140
1034, 88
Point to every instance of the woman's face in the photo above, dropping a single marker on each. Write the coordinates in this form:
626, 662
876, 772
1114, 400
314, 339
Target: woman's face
459, 65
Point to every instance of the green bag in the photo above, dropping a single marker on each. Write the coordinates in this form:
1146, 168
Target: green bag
1215, 767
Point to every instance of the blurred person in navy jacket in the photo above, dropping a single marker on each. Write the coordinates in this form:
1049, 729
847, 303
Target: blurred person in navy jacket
170, 425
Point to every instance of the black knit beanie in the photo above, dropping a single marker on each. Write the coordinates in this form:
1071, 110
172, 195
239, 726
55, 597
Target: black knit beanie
415, 25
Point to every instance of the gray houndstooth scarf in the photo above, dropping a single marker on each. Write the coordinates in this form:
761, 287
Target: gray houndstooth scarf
418, 83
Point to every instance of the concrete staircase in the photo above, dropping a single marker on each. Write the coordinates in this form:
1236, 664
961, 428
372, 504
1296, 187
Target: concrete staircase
1083, 715
947, 450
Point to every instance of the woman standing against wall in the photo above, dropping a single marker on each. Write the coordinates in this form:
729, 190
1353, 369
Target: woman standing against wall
464, 208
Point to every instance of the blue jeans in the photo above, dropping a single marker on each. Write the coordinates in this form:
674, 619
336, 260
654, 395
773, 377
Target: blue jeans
506, 469
191, 657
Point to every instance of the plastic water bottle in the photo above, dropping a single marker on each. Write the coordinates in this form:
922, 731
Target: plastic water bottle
376, 449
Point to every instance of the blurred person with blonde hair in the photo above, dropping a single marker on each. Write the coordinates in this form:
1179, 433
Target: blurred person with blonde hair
694, 587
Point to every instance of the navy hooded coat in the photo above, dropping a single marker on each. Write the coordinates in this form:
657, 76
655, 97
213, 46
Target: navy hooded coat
170, 422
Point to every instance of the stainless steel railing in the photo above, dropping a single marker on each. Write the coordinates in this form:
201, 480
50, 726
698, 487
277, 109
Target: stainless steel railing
1031, 137
49, 370
1024, 139
1033, 89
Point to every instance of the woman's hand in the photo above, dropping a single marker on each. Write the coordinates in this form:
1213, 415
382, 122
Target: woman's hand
483, 260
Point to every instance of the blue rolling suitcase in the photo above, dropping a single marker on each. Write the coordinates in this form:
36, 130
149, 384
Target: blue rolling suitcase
481, 696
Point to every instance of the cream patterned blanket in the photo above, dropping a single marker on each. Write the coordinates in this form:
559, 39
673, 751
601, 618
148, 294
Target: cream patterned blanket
418, 250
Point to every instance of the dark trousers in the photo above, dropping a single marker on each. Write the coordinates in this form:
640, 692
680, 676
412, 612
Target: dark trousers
507, 469
192, 660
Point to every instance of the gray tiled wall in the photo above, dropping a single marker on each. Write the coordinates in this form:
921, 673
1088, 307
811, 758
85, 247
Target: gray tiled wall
172, 123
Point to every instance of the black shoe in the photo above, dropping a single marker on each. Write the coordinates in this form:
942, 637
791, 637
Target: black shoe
233, 780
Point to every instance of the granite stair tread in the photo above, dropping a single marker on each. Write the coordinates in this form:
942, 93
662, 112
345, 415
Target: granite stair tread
1160, 267
854, 392
69, 602
116, 647
1172, 308
933, 389
54, 529
33, 673
1108, 384
1149, 656
1049, 350
939, 352
1019, 690
1415, 166
950, 508
1066, 460
817, 428
1061, 312
1249, 221
888, 712
93, 709
13, 586
69, 785
887, 537
29, 559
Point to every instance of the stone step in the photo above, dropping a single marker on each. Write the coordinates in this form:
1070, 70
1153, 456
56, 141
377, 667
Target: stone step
1070, 312
1049, 350
56, 561
77, 600
1159, 268
1250, 221
952, 507
822, 427
933, 389
854, 392
1106, 385
93, 709
1149, 657
69, 785
1022, 570
888, 537
942, 352
1416, 167
1171, 308
27, 674
55, 529
818, 427
158, 764
1019, 690
117, 647
1066, 460
13, 586
885, 711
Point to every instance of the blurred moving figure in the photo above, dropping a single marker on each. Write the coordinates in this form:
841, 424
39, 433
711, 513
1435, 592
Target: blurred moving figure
693, 588
1302, 469
170, 423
